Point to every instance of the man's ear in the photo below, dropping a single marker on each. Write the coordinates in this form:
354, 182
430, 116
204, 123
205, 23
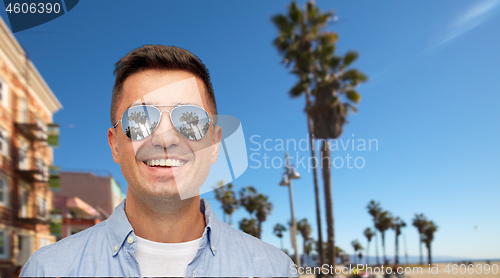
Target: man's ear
113, 144
217, 135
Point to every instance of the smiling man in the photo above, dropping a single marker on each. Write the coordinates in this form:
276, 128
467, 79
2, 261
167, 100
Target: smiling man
165, 137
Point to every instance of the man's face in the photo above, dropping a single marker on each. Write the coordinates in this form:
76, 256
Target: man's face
161, 87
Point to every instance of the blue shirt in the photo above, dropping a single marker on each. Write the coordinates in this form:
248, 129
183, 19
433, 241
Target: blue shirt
108, 249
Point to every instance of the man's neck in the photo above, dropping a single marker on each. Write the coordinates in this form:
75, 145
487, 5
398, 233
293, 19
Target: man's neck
165, 221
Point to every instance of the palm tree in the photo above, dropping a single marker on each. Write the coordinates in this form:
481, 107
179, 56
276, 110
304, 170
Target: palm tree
385, 221
397, 225
305, 230
304, 42
309, 245
357, 246
227, 197
253, 201
374, 210
263, 209
249, 226
140, 119
194, 121
248, 195
278, 231
419, 222
428, 236
291, 36
368, 234
190, 119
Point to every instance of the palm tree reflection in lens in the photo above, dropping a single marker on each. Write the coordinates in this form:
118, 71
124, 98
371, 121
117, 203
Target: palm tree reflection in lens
141, 121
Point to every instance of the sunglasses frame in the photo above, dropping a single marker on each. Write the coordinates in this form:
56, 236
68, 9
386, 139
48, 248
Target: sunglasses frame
161, 116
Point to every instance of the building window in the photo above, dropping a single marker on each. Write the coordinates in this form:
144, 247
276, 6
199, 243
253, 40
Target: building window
4, 142
4, 93
43, 169
4, 191
23, 199
23, 111
23, 155
43, 209
43, 242
4, 248
41, 130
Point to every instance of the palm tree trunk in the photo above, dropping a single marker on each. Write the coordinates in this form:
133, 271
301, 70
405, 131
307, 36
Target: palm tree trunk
259, 227
325, 153
383, 247
429, 254
281, 238
201, 136
376, 243
315, 174
304, 251
396, 258
193, 130
420, 243
367, 251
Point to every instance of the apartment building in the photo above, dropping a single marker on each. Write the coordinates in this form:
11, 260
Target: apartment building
83, 200
26, 108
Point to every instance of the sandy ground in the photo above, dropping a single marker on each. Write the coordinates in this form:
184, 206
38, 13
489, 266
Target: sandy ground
441, 270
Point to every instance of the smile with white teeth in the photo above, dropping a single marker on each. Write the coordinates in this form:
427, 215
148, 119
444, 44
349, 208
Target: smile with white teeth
165, 162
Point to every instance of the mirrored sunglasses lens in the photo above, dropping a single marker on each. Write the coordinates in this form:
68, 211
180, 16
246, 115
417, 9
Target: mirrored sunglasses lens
139, 122
191, 121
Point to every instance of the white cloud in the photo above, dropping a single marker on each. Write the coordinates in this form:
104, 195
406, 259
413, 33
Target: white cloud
474, 16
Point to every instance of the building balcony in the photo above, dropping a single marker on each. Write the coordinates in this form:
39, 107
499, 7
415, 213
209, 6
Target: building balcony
32, 132
36, 175
32, 215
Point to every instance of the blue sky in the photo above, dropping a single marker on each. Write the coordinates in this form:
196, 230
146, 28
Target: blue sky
431, 103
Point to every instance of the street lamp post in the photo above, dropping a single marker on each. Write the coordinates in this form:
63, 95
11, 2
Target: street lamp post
291, 173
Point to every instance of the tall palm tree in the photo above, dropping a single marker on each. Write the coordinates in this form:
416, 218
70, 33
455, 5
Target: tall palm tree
309, 245
256, 202
249, 226
368, 234
263, 209
397, 225
357, 246
291, 41
190, 119
248, 196
305, 230
428, 236
374, 210
419, 222
194, 121
384, 222
227, 197
140, 119
278, 231
305, 43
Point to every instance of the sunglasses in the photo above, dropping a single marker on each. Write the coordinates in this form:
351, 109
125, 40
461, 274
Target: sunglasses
138, 122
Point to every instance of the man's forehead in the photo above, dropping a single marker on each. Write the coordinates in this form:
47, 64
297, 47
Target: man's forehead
182, 92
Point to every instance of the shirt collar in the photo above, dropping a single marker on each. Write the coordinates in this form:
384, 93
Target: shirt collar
213, 225
118, 228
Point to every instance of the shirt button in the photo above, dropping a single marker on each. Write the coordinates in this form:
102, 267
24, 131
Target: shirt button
116, 248
194, 273
130, 239
213, 247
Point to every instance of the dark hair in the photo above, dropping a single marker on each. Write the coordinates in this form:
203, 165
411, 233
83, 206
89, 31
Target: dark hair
158, 57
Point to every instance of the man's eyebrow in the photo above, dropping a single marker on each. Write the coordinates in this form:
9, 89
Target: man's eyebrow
155, 103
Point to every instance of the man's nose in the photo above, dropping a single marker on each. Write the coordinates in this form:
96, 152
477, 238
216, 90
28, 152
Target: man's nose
165, 134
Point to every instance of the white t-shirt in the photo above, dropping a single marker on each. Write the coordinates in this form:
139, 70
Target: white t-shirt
158, 259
